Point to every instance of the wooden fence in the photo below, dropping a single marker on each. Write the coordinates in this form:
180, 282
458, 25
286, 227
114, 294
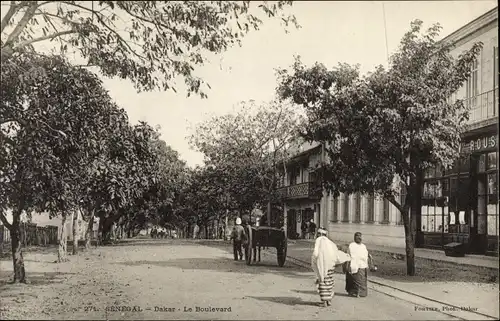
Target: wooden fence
31, 235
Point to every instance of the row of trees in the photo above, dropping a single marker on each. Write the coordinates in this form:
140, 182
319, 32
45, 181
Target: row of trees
65, 144
66, 147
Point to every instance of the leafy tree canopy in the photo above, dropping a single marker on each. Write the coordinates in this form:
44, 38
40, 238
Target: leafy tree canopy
52, 123
149, 42
394, 122
248, 146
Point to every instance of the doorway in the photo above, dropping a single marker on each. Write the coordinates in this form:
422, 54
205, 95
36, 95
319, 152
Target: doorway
478, 203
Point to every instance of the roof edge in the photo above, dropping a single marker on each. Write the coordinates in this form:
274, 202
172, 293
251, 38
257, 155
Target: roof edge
476, 24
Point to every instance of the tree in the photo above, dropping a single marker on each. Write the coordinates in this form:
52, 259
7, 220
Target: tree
101, 165
249, 147
50, 122
123, 175
385, 129
149, 42
154, 205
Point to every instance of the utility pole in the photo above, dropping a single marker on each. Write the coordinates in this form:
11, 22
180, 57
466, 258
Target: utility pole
385, 32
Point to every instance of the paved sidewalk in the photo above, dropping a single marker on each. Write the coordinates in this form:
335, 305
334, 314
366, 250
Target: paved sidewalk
481, 296
475, 260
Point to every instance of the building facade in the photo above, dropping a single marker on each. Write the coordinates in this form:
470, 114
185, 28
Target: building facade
457, 205
461, 204
299, 189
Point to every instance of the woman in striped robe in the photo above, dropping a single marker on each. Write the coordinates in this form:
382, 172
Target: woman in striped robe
325, 257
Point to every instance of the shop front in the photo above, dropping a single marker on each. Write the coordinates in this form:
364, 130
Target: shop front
295, 217
461, 204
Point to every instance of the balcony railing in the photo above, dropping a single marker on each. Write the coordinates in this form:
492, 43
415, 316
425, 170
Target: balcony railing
483, 106
298, 191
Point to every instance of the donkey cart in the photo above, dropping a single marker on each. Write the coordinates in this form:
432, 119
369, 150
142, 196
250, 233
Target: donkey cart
265, 236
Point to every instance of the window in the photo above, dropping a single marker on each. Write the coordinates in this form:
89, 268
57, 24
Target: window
371, 208
481, 164
491, 161
385, 210
335, 205
293, 176
435, 204
357, 217
482, 198
305, 175
313, 176
346, 208
472, 89
429, 172
472, 92
492, 203
465, 164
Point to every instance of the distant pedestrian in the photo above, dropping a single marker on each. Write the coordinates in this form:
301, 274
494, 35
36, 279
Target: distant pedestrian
325, 257
196, 230
238, 236
356, 272
312, 229
303, 229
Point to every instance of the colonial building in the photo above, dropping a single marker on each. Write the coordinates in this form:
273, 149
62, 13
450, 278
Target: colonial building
299, 188
457, 205
461, 204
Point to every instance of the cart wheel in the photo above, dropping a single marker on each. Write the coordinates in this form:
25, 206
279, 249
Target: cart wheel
248, 248
282, 253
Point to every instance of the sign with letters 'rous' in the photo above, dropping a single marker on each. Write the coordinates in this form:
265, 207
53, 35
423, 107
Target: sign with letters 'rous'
480, 144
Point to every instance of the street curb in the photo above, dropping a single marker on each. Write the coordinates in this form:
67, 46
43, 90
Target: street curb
452, 310
425, 258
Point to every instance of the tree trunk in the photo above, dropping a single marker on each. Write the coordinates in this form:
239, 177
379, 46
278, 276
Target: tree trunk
63, 241
106, 230
99, 230
409, 214
409, 244
129, 230
75, 232
89, 232
416, 189
17, 254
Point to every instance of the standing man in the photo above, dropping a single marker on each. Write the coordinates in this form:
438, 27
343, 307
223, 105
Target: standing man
303, 228
312, 229
238, 235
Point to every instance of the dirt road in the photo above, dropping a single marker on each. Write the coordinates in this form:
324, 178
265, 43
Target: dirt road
180, 279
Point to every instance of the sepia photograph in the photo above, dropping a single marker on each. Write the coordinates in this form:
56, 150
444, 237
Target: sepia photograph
249, 160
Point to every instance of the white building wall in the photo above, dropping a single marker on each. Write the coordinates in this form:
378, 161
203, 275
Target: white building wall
488, 35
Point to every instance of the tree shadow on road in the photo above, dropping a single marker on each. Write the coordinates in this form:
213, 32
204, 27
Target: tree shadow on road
223, 264
158, 242
34, 279
292, 301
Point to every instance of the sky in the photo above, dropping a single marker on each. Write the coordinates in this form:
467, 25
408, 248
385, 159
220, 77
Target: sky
331, 32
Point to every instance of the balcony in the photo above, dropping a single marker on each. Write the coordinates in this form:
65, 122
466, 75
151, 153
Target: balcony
482, 107
300, 191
